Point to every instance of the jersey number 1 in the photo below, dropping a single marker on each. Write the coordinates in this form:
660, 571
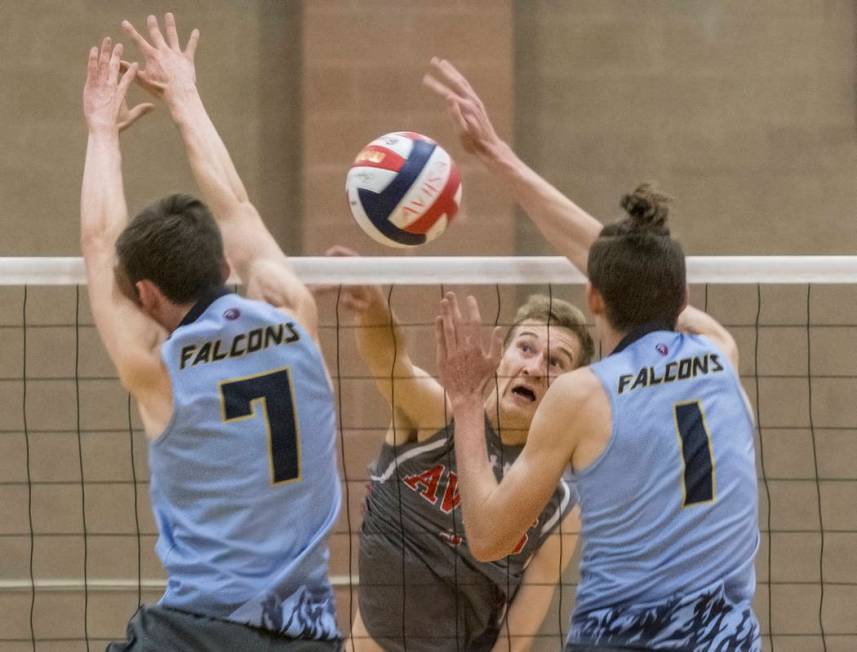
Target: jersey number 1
696, 450
274, 392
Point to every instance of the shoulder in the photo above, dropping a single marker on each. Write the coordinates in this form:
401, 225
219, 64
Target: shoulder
571, 390
273, 282
572, 400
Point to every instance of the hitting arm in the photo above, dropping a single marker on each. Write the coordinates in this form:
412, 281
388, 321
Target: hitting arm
417, 399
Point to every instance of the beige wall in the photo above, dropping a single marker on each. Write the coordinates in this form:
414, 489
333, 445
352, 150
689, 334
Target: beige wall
246, 75
744, 111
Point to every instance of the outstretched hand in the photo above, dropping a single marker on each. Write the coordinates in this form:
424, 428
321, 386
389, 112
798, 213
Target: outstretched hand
357, 299
167, 68
468, 114
465, 360
104, 105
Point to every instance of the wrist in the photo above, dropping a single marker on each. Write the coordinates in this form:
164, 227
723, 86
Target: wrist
467, 403
181, 98
104, 132
498, 156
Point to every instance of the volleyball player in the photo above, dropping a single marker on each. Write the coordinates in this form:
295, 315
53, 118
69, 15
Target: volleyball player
659, 432
233, 393
420, 586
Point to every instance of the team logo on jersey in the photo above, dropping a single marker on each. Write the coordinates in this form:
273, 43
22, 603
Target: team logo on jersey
232, 314
662, 349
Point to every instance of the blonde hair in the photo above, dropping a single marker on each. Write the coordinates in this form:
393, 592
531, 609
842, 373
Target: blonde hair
555, 313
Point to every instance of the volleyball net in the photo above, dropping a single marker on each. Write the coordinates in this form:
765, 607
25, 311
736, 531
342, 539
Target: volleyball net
77, 534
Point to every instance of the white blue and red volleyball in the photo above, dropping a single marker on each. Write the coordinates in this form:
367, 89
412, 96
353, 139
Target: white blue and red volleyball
403, 189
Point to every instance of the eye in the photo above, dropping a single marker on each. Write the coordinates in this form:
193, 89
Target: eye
525, 347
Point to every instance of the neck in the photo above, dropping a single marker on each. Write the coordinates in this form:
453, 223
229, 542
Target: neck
610, 339
174, 315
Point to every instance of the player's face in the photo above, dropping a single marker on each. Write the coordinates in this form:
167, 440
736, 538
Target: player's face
535, 356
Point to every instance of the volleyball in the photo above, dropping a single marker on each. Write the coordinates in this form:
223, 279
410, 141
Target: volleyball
403, 189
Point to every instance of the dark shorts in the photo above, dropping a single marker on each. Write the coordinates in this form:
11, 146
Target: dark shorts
159, 629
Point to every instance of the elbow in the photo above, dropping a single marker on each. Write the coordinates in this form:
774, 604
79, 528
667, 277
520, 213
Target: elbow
94, 241
485, 553
487, 547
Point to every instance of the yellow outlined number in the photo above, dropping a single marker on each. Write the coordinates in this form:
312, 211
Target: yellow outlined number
274, 391
698, 479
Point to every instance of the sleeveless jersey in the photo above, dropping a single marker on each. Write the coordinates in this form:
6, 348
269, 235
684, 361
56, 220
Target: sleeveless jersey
418, 579
669, 510
244, 484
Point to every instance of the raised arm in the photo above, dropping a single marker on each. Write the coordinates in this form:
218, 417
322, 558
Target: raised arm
569, 228
696, 321
416, 398
496, 515
562, 222
130, 337
170, 74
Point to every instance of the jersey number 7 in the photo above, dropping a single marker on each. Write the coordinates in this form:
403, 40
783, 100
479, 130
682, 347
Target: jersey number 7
274, 392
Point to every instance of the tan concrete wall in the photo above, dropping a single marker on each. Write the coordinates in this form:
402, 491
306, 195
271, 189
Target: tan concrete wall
43, 136
744, 111
364, 62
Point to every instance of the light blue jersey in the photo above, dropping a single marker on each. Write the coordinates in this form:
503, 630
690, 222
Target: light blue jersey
243, 480
669, 510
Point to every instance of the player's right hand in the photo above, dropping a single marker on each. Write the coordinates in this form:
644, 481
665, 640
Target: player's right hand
167, 69
466, 358
468, 114
104, 93
358, 299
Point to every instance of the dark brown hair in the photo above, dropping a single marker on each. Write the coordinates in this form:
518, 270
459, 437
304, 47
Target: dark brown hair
555, 313
175, 243
637, 267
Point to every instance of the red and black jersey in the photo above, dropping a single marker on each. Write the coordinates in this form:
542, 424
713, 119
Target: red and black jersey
419, 582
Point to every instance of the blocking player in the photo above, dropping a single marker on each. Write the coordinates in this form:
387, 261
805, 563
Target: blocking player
659, 432
412, 535
233, 393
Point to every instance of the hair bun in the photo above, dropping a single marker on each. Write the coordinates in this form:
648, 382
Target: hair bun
647, 209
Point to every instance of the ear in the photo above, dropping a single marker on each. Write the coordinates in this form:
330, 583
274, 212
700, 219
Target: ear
149, 295
686, 299
594, 300
225, 270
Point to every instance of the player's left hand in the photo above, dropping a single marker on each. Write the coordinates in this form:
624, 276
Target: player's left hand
465, 360
167, 68
104, 105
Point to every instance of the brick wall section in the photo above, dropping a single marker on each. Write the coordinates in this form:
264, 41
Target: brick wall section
364, 62
743, 111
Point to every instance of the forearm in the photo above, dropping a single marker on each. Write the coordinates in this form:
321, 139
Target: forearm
569, 228
382, 346
103, 211
210, 163
476, 481
696, 321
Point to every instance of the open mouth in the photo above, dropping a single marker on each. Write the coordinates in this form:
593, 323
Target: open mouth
525, 392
